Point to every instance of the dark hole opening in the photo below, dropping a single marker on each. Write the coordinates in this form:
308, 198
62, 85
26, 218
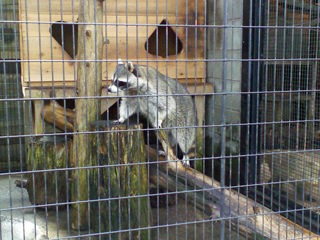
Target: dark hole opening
67, 103
165, 40
65, 34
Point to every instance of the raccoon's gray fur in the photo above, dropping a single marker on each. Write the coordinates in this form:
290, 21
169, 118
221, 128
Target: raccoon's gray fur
164, 108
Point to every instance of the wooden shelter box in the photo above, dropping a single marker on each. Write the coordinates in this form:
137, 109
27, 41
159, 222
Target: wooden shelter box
165, 36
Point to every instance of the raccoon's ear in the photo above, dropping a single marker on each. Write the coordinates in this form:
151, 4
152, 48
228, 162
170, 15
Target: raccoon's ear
129, 66
119, 61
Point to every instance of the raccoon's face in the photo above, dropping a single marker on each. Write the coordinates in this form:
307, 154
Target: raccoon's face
123, 78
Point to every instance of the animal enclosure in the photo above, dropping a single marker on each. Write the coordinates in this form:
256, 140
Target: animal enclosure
154, 119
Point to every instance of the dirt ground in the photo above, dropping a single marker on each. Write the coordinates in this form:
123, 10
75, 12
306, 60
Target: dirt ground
187, 223
179, 221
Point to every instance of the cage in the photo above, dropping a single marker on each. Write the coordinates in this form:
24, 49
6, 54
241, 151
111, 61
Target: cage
251, 69
289, 107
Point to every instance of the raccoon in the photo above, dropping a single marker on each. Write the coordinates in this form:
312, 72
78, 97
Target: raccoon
163, 101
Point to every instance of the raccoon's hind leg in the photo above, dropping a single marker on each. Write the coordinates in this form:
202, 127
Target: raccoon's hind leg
185, 161
185, 138
162, 153
159, 120
165, 142
162, 136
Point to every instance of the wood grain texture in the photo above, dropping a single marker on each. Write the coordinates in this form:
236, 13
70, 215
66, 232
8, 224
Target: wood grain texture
48, 187
119, 7
118, 180
58, 72
127, 41
58, 116
89, 84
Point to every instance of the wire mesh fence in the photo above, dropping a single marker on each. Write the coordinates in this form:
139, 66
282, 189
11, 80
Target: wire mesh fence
159, 120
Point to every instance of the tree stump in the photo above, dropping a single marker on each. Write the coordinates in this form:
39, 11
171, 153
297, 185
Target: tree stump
117, 180
48, 187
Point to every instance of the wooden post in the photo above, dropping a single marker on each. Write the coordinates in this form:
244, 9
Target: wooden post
89, 84
312, 104
45, 153
112, 153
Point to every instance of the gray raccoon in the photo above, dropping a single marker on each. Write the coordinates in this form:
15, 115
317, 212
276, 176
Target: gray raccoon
167, 104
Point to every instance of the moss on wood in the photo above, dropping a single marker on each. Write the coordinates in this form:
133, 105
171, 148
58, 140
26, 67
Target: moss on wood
117, 180
48, 186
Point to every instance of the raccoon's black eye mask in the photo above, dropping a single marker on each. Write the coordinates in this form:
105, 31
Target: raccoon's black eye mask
122, 85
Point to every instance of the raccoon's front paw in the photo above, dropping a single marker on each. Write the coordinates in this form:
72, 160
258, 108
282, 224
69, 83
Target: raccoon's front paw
159, 123
120, 120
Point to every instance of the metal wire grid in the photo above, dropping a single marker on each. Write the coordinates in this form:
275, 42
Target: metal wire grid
290, 109
289, 78
10, 87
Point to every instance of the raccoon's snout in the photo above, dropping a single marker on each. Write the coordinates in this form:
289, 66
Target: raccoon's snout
113, 89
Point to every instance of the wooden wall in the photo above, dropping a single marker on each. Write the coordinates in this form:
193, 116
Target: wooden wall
46, 62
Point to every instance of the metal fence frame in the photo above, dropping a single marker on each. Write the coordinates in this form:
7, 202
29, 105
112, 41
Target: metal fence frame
237, 50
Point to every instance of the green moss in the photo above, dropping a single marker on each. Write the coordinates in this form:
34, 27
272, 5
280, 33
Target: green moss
43, 185
119, 181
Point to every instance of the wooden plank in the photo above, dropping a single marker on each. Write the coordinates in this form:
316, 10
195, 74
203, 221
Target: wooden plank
113, 31
51, 50
47, 48
44, 72
64, 72
124, 47
68, 90
125, 42
35, 29
185, 17
34, 87
122, 39
121, 7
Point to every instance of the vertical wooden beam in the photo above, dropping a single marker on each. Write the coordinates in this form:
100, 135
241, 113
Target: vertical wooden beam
89, 83
312, 103
38, 122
